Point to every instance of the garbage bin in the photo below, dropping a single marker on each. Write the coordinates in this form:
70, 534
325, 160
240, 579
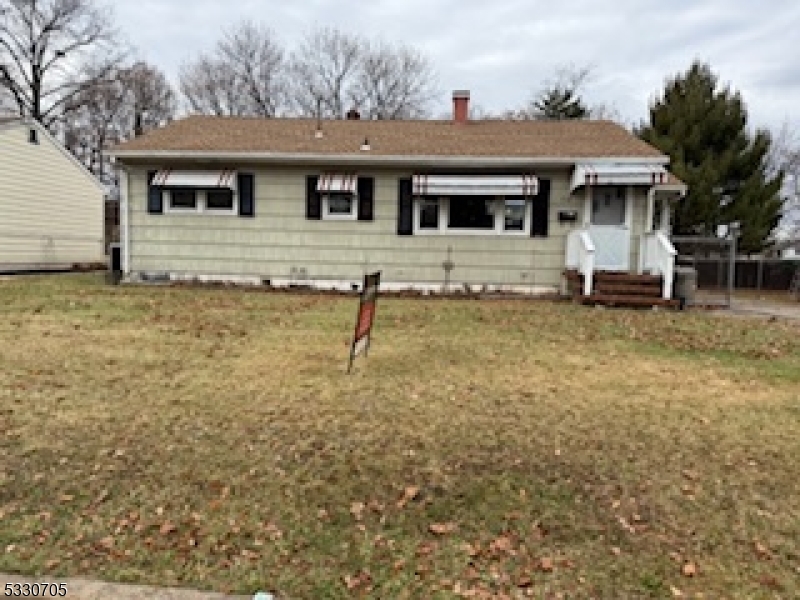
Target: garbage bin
685, 285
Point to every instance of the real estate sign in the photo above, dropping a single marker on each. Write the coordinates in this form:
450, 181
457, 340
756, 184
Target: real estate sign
366, 316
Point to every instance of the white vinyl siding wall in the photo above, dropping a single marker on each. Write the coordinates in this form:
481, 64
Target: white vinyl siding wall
51, 210
280, 242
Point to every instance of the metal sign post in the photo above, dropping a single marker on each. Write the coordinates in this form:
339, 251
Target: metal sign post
366, 316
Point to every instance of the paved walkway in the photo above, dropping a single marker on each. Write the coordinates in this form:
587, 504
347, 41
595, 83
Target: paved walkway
81, 589
765, 309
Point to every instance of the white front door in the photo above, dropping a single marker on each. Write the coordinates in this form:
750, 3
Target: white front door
610, 228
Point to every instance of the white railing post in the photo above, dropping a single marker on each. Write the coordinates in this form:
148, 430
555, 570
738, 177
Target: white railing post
659, 258
587, 262
581, 256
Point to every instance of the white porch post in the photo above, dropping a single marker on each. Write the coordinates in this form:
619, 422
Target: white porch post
651, 209
587, 205
629, 207
666, 225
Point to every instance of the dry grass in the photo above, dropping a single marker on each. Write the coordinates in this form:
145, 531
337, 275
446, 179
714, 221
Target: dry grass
487, 449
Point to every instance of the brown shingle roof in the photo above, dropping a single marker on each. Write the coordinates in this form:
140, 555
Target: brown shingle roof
513, 139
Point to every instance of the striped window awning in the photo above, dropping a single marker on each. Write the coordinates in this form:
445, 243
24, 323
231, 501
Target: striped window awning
475, 185
338, 182
616, 174
195, 179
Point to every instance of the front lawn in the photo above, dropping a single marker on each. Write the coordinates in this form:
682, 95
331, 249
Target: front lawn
485, 449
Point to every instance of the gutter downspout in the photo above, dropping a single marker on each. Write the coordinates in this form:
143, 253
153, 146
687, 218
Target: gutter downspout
124, 217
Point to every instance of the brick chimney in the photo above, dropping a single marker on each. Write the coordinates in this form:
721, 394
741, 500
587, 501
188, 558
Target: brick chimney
461, 106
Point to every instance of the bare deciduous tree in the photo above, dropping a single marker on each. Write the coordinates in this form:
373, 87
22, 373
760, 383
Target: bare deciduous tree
132, 99
394, 82
245, 75
562, 97
325, 70
334, 72
784, 158
44, 47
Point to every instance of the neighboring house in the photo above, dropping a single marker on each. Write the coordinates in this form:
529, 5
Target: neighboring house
498, 205
51, 207
787, 248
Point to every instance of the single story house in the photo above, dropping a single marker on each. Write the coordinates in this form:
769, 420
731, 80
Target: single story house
51, 206
489, 204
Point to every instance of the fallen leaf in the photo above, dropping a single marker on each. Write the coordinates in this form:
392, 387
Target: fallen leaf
106, 543
442, 528
501, 544
762, 550
410, 493
616, 551
676, 593
472, 550
524, 581
166, 528
358, 580
689, 569
427, 548
357, 510
546, 564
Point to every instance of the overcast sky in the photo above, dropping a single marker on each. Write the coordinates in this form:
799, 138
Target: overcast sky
505, 50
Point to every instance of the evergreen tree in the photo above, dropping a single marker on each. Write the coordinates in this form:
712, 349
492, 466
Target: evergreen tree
560, 103
703, 128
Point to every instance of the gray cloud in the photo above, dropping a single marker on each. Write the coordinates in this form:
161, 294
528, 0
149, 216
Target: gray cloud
504, 50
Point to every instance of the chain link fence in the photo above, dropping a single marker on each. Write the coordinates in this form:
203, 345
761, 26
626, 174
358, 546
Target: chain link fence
720, 272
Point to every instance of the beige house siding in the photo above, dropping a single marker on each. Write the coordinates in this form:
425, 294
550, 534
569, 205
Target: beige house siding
51, 209
279, 244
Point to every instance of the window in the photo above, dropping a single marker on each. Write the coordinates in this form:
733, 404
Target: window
182, 199
472, 215
33, 136
221, 199
514, 214
428, 214
608, 205
339, 205
471, 212
217, 200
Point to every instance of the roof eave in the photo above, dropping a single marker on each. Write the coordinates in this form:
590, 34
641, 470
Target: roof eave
380, 160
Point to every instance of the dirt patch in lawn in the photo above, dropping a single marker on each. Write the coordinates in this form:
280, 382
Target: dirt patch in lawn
211, 438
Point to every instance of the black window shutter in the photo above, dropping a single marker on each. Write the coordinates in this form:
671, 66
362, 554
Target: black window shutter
540, 210
405, 207
366, 199
155, 202
247, 200
313, 199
